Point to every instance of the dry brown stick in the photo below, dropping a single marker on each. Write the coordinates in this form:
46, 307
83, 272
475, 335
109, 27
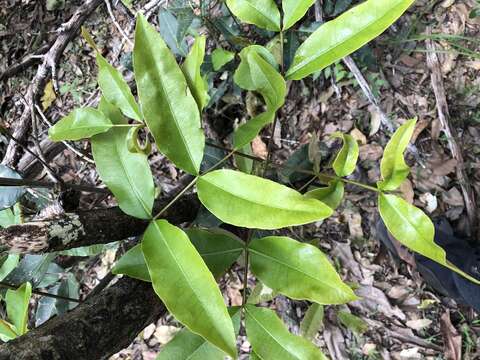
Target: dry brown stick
46, 70
444, 118
24, 63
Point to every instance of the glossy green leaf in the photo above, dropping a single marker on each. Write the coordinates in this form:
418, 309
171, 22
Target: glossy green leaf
171, 32
411, 227
168, 106
332, 195
271, 340
352, 322
80, 124
188, 289
17, 306
7, 331
191, 69
132, 264
218, 248
346, 159
221, 57
127, 174
9, 195
252, 202
10, 263
342, 36
189, 346
297, 270
133, 142
312, 321
115, 89
393, 167
294, 10
256, 73
262, 13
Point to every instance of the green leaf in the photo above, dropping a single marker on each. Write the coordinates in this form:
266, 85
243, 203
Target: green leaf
186, 286
261, 293
346, 160
294, 10
352, 322
252, 202
132, 264
411, 227
7, 331
191, 69
342, 36
297, 270
168, 106
79, 124
8, 265
271, 340
218, 248
9, 195
115, 90
262, 13
256, 73
221, 57
169, 30
10, 217
189, 346
393, 167
312, 321
126, 174
17, 306
332, 195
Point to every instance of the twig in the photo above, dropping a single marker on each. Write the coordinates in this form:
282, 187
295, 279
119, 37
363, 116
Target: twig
24, 63
59, 297
444, 118
49, 185
117, 25
47, 68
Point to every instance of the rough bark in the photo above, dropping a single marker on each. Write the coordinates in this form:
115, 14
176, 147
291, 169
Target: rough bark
96, 329
88, 228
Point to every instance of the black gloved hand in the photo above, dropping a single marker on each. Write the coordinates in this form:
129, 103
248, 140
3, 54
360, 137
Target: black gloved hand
445, 281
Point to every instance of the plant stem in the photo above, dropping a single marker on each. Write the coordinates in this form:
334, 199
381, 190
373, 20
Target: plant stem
356, 183
59, 297
245, 272
41, 184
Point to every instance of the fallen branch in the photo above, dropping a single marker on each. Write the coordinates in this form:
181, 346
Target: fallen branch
46, 69
96, 329
444, 118
85, 228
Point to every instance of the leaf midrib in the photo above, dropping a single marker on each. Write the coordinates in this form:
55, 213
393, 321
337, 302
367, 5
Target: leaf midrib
269, 20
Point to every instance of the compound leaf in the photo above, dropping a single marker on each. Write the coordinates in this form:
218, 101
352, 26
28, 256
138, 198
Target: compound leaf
262, 13
272, 341
168, 106
188, 289
297, 270
342, 36
250, 201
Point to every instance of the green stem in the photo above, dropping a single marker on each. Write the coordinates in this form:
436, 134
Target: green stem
247, 264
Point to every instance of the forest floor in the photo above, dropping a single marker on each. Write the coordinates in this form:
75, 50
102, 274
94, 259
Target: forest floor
399, 316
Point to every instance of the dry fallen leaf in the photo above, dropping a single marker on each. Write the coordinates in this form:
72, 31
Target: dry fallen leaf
407, 191
354, 220
371, 152
375, 120
259, 148
452, 339
165, 333
372, 300
49, 96
453, 197
419, 324
358, 135
430, 201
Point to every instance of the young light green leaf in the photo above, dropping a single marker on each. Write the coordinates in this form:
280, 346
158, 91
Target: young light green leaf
191, 69
17, 306
10, 216
410, 226
312, 321
332, 195
271, 340
80, 124
218, 248
133, 142
256, 73
352, 322
168, 106
262, 13
7, 331
346, 160
252, 202
186, 286
297, 270
393, 167
294, 10
189, 346
8, 265
221, 57
349, 32
126, 174
116, 90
